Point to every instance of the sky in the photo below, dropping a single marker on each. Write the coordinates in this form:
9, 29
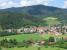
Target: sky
21, 3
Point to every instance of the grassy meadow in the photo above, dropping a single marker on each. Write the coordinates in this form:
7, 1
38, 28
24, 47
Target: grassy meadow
22, 37
34, 48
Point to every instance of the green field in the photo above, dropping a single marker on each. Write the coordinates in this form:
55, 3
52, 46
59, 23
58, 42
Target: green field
33, 48
22, 37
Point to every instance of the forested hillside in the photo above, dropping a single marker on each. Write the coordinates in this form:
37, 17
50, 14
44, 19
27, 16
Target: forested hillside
32, 16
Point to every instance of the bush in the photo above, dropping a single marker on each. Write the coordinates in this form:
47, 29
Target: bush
14, 41
6, 33
51, 39
0, 48
20, 44
8, 43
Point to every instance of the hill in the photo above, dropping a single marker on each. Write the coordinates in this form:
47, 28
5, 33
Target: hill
31, 15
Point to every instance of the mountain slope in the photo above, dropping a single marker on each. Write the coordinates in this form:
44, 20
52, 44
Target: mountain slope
39, 10
35, 14
34, 10
34, 7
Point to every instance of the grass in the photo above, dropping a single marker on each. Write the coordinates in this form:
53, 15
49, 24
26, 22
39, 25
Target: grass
33, 48
22, 37
52, 21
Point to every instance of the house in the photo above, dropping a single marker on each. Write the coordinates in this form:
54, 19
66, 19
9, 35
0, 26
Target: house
65, 29
20, 30
25, 30
54, 30
8, 30
41, 29
32, 29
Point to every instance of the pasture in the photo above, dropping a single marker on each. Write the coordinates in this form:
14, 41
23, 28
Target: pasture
22, 37
33, 48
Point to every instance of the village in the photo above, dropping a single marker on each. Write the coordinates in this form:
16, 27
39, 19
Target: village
55, 30
40, 37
